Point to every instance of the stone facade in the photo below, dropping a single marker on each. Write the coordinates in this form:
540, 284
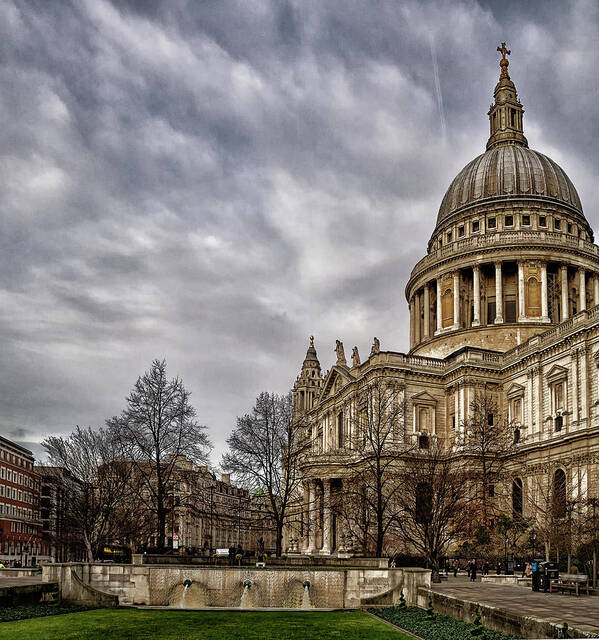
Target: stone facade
505, 302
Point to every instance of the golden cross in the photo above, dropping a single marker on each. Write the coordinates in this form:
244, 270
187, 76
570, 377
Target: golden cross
503, 51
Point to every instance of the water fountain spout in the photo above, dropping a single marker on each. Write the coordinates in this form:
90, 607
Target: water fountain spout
306, 604
243, 604
186, 586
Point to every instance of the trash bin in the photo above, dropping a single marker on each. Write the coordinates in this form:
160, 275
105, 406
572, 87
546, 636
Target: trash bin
548, 571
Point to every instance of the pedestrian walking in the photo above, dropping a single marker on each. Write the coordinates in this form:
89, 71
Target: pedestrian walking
456, 566
473, 571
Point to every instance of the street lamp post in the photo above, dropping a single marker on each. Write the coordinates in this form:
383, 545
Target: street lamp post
507, 541
533, 537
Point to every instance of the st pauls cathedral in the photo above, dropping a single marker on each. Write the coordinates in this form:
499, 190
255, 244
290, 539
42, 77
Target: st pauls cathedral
506, 299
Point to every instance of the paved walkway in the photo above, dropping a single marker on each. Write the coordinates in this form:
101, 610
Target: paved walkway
581, 612
19, 582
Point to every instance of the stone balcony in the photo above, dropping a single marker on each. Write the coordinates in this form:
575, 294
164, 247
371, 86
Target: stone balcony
507, 239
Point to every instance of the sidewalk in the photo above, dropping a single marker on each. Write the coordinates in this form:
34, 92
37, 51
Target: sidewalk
581, 612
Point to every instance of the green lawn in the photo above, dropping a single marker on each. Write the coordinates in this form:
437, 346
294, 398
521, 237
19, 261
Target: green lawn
117, 624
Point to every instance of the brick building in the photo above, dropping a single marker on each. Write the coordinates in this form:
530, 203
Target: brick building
20, 524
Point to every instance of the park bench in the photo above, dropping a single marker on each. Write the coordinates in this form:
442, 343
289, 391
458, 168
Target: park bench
570, 582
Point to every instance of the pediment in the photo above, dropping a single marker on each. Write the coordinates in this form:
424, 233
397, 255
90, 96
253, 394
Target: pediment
424, 398
556, 372
515, 389
335, 380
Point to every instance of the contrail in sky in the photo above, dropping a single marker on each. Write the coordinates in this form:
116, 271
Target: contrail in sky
438, 88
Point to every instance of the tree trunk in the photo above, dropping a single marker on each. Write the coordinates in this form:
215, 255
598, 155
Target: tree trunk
435, 572
546, 552
594, 566
279, 542
569, 562
161, 523
88, 550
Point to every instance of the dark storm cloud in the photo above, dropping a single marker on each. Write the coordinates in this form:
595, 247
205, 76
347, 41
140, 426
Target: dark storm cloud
211, 182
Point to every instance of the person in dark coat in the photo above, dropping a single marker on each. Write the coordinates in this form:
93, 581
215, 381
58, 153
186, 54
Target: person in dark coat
473, 571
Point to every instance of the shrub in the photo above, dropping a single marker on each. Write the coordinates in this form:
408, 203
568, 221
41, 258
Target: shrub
415, 620
402, 601
22, 612
479, 630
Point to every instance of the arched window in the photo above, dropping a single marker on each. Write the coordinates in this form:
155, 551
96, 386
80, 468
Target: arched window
424, 507
559, 493
533, 291
517, 496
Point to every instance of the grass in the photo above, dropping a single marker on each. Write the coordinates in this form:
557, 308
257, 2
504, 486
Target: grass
120, 624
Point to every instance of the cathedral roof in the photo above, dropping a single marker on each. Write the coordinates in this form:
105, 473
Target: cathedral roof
508, 169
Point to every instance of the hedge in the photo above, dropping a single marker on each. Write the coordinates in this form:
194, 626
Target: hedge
22, 612
442, 627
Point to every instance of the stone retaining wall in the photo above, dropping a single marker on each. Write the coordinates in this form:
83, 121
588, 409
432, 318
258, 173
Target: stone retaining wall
494, 617
223, 587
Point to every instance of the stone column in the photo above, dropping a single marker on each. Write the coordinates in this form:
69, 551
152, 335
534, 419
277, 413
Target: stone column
326, 527
417, 314
456, 300
439, 310
521, 301
427, 312
476, 287
306, 518
596, 290
313, 506
544, 302
498, 294
412, 327
583, 289
564, 287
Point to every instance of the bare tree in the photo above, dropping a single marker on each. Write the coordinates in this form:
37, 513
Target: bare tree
488, 443
376, 419
264, 452
156, 429
434, 502
92, 458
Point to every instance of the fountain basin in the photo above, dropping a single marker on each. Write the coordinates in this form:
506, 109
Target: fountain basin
220, 587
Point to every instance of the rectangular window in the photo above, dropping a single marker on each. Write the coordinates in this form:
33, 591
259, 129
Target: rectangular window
461, 232
542, 221
510, 311
569, 227
509, 221
556, 224
449, 236
526, 221
491, 223
559, 423
490, 419
491, 312
475, 226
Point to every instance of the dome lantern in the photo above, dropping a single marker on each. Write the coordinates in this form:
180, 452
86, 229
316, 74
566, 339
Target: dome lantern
505, 116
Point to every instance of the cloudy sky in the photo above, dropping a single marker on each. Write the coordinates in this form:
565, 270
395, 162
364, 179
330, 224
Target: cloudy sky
213, 181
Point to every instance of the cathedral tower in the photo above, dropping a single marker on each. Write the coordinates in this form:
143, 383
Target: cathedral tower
308, 385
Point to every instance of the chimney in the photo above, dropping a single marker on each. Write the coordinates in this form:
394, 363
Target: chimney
226, 478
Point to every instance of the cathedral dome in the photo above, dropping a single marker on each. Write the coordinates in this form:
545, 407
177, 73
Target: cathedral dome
505, 172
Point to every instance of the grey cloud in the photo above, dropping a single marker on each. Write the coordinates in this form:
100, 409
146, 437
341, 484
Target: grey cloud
212, 182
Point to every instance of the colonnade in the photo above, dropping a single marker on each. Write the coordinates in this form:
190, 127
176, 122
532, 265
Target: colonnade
446, 311
312, 514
